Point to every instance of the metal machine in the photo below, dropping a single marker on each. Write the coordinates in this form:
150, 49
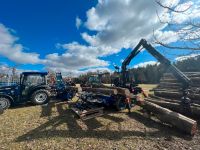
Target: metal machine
32, 87
63, 89
186, 82
121, 80
94, 80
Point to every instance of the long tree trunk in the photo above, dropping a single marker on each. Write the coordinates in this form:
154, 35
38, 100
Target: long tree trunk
175, 119
100, 90
195, 109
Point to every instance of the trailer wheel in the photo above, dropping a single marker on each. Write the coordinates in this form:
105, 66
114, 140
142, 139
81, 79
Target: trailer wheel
5, 102
120, 103
40, 97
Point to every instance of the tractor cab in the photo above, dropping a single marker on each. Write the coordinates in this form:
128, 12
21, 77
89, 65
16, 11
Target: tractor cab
94, 79
31, 80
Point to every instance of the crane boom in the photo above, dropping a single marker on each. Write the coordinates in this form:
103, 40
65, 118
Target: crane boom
163, 60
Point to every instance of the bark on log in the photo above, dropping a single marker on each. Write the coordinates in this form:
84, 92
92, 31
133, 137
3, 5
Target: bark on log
123, 91
165, 115
195, 109
176, 95
173, 80
172, 84
164, 99
188, 74
100, 90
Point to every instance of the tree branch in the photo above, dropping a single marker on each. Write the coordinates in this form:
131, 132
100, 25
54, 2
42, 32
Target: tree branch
170, 8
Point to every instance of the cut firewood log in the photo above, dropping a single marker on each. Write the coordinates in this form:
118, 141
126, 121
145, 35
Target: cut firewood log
123, 91
165, 115
109, 90
100, 90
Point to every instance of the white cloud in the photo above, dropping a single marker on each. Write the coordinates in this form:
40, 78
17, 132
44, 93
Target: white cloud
8, 70
76, 57
12, 50
78, 22
76, 73
181, 58
121, 24
166, 36
145, 64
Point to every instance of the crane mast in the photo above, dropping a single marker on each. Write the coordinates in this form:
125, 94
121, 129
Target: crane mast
180, 76
163, 60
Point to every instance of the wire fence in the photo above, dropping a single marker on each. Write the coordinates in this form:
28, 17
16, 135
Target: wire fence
8, 81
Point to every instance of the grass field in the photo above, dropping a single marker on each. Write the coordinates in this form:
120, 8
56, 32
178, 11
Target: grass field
55, 127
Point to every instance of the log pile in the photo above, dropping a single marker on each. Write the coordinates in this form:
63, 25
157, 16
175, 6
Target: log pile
170, 87
108, 91
174, 105
100, 90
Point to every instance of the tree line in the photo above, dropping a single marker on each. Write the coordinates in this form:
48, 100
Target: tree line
149, 74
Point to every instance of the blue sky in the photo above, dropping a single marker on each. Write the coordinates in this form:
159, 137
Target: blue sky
76, 36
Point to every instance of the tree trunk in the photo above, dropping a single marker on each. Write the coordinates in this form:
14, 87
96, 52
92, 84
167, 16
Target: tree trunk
122, 91
165, 115
195, 109
100, 90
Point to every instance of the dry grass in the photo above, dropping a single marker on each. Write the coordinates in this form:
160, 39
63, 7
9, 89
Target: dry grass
55, 127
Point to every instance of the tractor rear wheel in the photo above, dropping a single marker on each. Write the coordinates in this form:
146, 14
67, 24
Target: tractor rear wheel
120, 103
40, 97
5, 102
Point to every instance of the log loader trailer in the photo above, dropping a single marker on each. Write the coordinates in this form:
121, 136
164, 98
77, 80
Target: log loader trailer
120, 102
180, 76
164, 115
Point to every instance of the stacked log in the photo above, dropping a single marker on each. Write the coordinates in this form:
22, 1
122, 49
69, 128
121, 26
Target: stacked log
174, 105
108, 90
170, 87
100, 90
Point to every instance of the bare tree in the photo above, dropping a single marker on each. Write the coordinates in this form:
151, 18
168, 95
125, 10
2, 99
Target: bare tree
182, 19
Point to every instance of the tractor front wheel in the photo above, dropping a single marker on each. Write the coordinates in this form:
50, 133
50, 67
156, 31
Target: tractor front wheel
5, 102
120, 103
40, 97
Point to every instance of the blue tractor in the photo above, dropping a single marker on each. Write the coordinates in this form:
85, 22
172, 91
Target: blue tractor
64, 90
32, 87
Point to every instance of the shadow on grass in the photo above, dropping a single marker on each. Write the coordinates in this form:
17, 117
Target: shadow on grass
29, 104
22, 105
72, 129
167, 130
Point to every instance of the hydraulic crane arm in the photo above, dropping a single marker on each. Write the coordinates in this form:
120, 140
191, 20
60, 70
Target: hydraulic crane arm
163, 60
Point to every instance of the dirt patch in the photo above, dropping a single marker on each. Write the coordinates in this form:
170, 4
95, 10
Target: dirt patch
55, 127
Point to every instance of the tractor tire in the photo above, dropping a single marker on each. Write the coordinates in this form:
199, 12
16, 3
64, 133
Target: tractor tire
40, 97
120, 103
5, 102
1, 110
